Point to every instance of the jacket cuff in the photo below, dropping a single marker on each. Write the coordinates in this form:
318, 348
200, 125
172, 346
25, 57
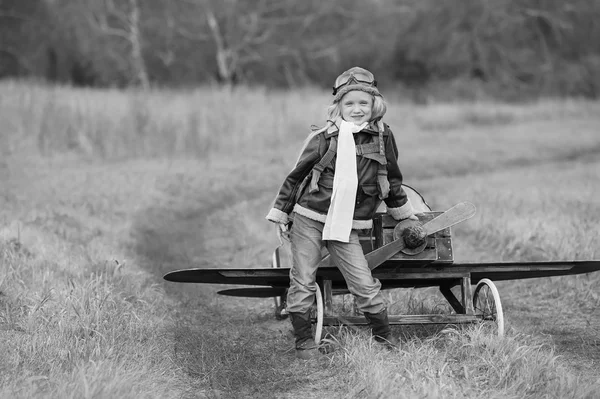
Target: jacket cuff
402, 212
277, 216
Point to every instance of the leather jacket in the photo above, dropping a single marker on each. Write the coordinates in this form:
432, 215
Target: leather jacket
294, 194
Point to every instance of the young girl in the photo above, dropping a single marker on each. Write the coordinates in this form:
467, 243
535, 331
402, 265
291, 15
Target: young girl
343, 173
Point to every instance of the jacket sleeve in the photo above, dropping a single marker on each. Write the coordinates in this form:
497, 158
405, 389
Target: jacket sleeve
286, 198
398, 204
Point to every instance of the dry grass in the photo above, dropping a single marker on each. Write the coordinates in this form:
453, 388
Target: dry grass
102, 192
465, 363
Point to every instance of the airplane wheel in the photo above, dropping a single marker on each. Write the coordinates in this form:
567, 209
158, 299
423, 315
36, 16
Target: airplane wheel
317, 316
486, 302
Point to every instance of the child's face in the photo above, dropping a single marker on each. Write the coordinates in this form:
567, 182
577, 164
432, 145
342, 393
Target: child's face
357, 107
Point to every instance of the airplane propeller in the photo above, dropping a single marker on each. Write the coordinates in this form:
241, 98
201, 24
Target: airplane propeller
458, 213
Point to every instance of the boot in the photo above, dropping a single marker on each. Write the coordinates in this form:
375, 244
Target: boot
380, 328
306, 348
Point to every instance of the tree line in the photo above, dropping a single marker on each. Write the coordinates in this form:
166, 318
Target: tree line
538, 46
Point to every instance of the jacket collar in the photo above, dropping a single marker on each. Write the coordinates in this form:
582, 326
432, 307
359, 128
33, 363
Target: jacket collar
333, 128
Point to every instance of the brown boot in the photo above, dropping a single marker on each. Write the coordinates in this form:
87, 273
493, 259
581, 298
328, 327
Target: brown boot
380, 328
306, 347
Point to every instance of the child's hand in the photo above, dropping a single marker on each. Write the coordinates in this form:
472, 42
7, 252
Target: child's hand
412, 217
283, 232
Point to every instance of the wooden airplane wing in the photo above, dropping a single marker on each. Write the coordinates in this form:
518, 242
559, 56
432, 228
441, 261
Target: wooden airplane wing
523, 270
394, 275
271, 277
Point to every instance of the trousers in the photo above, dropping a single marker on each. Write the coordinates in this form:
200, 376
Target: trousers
307, 243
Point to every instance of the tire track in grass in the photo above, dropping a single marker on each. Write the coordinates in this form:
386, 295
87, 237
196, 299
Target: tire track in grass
228, 347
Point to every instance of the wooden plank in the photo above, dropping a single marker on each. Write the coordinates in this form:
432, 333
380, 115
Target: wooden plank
451, 298
467, 295
444, 250
404, 319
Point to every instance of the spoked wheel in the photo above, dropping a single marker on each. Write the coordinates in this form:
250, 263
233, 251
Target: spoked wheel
316, 315
486, 302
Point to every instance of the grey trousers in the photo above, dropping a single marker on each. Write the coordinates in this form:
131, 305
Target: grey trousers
307, 242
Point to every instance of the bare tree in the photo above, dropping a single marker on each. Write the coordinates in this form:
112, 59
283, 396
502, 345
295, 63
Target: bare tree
19, 43
124, 23
236, 29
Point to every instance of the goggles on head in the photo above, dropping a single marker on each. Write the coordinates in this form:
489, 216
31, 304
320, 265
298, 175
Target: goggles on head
353, 80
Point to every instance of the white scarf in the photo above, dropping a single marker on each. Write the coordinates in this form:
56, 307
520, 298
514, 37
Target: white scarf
338, 224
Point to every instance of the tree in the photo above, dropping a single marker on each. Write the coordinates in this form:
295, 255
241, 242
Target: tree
21, 43
546, 45
124, 21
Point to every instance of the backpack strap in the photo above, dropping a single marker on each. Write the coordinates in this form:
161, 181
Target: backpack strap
320, 167
376, 151
382, 172
383, 182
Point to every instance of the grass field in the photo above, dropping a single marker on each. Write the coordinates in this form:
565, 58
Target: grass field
102, 192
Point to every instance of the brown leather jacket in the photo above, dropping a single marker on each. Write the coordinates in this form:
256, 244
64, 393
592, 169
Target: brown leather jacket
294, 194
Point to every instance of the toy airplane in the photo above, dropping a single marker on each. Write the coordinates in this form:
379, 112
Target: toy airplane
430, 264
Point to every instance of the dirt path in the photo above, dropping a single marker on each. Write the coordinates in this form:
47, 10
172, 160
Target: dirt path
196, 224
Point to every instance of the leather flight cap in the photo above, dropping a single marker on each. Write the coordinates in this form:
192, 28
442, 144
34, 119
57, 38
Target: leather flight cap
355, 78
